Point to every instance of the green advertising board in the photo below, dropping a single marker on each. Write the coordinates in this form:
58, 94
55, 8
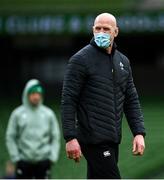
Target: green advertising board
77, 24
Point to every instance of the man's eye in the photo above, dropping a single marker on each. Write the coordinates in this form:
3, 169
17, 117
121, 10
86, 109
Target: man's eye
97, 28
106, 29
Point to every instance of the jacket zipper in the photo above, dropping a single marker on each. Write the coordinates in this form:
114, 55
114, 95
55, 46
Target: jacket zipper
114, 87
114, 84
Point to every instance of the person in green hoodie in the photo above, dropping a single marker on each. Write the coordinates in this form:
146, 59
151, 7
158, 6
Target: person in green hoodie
33, 135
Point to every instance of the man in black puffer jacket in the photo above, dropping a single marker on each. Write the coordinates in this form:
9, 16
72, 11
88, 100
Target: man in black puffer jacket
98, 88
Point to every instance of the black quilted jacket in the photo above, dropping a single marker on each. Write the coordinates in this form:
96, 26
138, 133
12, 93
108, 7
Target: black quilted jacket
97, 89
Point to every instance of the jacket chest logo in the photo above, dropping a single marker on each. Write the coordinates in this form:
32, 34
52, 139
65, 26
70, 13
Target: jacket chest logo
121, 66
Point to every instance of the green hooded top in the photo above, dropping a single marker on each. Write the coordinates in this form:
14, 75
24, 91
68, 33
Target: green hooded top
33, 132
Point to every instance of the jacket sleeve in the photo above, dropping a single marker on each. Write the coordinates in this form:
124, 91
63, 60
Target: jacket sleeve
55, 138
11, 138
73, 83
132, 108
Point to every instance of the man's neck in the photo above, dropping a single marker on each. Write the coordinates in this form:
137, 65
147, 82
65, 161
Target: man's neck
109, 50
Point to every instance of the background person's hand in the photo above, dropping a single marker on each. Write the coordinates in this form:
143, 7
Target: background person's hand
73, 150
138, 145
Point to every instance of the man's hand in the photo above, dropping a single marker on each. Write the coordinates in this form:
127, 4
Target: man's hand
73, 150
138, 145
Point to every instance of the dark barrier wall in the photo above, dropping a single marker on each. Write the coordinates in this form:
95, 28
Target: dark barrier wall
45, 58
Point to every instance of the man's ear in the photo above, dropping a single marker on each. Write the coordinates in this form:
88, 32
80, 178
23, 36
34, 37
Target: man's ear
93, 28
116, 31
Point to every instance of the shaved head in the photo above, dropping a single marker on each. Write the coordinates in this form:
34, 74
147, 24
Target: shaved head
106, 18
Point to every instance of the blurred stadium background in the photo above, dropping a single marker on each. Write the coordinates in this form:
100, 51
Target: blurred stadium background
37, 37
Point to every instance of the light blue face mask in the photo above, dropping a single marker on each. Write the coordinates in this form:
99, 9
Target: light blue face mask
102, 40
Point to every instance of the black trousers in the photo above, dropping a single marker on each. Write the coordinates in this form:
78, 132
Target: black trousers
101, 161
29, 170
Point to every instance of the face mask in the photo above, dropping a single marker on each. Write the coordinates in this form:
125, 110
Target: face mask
102, 40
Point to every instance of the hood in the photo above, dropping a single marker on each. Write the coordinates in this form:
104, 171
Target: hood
29, 84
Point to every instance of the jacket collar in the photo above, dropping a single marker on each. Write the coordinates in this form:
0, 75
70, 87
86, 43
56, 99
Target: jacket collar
92, 42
